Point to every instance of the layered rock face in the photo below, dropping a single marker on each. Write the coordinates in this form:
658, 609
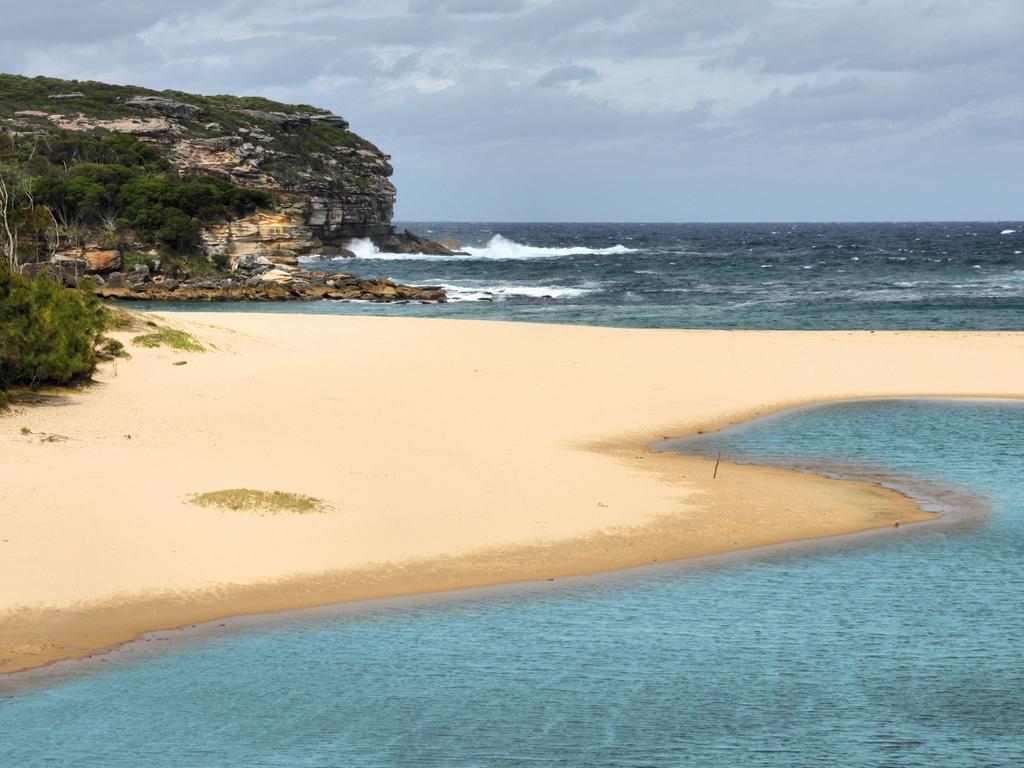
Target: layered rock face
325, 198
329, 184
281, 236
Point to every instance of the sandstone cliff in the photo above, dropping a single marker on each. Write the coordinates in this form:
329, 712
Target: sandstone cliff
328, 184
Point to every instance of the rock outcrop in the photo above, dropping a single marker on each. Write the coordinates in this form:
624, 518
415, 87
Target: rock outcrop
256, 278
281, 236
165, 106
329, 184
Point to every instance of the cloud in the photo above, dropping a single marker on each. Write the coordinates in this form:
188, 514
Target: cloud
488, 88
570, 73
466, 7
911, 35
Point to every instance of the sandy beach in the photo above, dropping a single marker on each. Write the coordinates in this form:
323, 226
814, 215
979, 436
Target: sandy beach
451, 453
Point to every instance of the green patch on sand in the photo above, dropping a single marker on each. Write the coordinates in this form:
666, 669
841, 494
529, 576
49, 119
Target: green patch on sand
169, 337
261, 502
120, 319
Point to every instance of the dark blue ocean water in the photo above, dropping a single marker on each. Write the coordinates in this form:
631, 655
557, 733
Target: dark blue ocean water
924, 276
904, 650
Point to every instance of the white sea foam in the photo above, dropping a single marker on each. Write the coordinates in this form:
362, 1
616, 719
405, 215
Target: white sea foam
502, 292
1008, 232
499, 248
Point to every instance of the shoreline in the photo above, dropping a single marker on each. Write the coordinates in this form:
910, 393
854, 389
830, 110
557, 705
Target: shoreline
683, 517
947, 507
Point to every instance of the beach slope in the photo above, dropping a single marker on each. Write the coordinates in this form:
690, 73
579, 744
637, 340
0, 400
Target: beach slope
450, 454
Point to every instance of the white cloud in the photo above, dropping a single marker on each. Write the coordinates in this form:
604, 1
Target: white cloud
693, 82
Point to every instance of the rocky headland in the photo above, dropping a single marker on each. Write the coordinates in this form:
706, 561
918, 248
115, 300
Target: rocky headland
317, 186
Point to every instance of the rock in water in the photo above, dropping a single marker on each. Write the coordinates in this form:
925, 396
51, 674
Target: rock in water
410, 242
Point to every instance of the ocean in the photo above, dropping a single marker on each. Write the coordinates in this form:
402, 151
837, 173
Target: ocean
887, 650
784, 276
890, 650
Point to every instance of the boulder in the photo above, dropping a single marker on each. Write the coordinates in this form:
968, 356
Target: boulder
166, 106
252, 262
278, 276
333, 120
283, 256
69, 270
410, 242
138, 275
330, 251
100, 261
281, 119
115, 280
344, 294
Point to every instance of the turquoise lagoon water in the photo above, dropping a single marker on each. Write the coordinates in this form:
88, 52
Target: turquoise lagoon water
898, 650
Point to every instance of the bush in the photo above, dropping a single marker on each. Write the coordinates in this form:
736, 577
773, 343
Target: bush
110, 348
169, 337
48, 332
158, 206
262, 502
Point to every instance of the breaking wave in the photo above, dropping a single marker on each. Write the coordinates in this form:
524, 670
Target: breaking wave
503, 292
499, 248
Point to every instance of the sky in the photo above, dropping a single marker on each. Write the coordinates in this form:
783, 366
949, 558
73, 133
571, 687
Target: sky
605, 110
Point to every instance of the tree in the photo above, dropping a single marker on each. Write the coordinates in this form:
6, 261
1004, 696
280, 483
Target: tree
48, 333
8, 223
23, 224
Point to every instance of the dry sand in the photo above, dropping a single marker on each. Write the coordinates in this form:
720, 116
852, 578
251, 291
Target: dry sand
453, 454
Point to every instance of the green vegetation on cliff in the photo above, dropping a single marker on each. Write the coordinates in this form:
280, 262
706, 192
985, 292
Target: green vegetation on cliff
303, 135
64, 186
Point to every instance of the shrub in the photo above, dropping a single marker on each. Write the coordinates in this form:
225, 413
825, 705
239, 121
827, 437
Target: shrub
169, 337
48, 332
261, 502
110, 348
119, 319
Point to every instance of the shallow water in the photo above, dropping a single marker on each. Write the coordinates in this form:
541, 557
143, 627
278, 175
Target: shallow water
806, 276
903, 650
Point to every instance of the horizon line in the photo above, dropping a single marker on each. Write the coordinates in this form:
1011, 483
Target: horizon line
721, 221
